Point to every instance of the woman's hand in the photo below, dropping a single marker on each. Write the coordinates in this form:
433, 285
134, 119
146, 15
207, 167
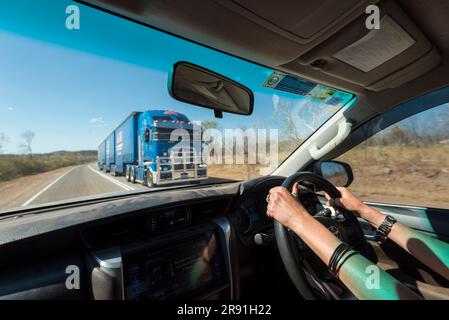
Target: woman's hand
283, 207
348, 201
351, 203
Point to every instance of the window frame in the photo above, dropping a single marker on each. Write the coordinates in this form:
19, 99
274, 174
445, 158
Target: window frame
383, 121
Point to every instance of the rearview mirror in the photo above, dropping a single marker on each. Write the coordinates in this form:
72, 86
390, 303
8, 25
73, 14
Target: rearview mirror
195, 85
338, 173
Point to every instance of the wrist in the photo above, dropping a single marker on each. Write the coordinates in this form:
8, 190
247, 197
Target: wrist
300, 222
371, 215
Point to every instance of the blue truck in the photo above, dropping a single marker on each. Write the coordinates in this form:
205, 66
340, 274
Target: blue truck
142, 149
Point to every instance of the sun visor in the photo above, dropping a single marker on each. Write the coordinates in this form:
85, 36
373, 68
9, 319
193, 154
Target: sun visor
376, 59
301, 20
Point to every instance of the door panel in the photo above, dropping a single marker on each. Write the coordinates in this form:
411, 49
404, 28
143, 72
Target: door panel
401, 265
434, 222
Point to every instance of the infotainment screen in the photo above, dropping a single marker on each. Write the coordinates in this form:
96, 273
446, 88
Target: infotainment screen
190, 269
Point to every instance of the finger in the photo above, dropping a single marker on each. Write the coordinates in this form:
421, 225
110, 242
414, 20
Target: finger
295, 187
284, 190
275, 189
342, 190
328, 197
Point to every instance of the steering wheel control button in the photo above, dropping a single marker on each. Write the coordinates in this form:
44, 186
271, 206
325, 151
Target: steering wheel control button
324, 213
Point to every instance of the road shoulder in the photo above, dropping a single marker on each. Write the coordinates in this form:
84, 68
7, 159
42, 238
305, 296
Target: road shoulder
16, 192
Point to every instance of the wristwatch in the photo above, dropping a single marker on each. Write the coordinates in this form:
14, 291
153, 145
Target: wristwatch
384, 229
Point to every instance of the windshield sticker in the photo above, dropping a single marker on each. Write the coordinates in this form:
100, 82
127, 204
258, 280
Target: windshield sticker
288, 83
284, 82
321, 93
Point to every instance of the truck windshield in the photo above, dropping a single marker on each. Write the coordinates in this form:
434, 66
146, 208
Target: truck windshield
85, 111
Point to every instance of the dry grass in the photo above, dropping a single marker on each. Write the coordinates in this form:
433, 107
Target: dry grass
396, 174
16, 166
401, 174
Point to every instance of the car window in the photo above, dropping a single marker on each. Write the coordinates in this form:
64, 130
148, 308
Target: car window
406, 163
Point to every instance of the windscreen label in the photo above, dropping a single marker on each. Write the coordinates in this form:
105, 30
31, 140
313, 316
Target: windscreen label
288, 83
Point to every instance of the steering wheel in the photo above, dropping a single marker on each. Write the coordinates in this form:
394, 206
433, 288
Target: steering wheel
345, 226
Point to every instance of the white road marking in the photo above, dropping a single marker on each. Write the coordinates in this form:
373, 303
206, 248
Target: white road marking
46, 188
120, 184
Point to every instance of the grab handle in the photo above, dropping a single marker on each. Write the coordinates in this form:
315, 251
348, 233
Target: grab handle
344, 129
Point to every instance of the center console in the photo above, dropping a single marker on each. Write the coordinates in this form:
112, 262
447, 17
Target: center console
191, 263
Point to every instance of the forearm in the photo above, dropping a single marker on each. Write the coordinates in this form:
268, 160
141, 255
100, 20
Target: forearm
360, 275
430, 251
316, 236
369, 282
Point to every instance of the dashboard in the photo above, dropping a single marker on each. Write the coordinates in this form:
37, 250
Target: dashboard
172, 244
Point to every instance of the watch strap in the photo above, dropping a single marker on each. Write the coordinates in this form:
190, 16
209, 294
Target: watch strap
384, 229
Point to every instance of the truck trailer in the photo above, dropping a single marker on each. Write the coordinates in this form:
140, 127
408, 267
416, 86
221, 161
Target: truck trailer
142, 150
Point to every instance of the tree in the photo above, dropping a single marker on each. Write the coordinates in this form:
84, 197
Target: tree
396, 135
3, 140
283, 116
28, 137
208, 124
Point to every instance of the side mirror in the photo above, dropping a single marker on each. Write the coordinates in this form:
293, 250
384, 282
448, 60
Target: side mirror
338, 173
195, 85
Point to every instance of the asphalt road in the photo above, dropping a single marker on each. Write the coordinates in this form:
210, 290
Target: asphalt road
80, 181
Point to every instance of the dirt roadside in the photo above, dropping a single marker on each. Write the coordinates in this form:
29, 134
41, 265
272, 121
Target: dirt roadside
15, 192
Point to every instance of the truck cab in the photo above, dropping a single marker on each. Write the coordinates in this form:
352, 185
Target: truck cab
158, 147
169, 151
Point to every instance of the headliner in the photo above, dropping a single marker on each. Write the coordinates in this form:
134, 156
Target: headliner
207, 22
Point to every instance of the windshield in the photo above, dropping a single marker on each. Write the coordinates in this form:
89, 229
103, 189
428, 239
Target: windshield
85, 110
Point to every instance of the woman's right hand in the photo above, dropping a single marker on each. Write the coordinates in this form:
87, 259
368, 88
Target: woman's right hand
348, 201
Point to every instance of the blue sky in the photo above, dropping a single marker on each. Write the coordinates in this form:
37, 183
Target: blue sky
72, 87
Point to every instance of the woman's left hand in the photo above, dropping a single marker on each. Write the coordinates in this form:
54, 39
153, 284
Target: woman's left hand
283, 207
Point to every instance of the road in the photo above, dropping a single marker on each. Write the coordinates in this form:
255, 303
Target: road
65, 184
80, 181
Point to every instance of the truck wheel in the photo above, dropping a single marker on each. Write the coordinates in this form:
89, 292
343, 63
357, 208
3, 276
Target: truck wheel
132, 177
149, 180
127, 175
